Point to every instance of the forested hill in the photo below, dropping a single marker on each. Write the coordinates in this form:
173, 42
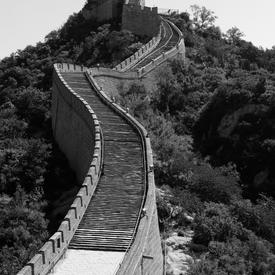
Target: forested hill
237, 123
213, 126
211, 123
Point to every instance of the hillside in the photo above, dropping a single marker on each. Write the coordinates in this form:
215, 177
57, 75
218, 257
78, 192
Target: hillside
211, 123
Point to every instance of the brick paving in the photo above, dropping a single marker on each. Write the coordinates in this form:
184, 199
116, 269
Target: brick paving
86, 262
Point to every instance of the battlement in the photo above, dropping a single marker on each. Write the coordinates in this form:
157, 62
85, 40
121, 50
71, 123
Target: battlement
140, 20
135, 2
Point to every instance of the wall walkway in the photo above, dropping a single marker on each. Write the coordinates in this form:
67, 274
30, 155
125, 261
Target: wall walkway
88, 262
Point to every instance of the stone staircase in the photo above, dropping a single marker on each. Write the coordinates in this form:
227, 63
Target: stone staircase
112, 215
111, 218
168, 41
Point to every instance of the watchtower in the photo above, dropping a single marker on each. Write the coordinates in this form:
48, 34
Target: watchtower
103, 10
134, 15
139, 19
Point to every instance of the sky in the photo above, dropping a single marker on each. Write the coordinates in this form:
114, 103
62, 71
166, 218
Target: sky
26, 22
253, 17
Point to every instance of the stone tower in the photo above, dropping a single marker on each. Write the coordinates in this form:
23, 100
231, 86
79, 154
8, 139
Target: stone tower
139, 19
103, 10
133, 15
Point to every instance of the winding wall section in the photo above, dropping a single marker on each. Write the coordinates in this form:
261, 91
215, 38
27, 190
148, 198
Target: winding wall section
167, 45
115, 209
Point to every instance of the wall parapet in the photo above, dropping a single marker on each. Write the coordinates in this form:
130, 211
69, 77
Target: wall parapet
177, 51
101, 71
140, 20
123, 70
127, 74
51, 252
138, 55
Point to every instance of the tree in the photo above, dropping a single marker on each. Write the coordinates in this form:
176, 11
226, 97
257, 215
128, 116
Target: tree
202, 17
216, 223
234, 35
23, 229
212, 184
236, 257
259, 218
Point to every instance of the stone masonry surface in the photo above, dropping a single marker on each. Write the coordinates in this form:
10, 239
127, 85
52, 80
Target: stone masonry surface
140, 21
134, 15
85, 262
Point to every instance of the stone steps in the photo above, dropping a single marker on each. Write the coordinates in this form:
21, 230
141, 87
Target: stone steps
111, 216
167, 42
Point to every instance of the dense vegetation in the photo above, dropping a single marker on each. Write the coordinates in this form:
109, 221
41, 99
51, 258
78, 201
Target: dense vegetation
36, 184
211, 123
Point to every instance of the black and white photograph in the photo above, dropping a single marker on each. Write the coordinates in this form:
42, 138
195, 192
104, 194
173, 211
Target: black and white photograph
137, 137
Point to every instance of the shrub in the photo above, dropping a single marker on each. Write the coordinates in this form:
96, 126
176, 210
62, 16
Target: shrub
22, 163
22, 232
259, 218
188, 201
211, 184
235, 257
136, 99
216, 223
164, 209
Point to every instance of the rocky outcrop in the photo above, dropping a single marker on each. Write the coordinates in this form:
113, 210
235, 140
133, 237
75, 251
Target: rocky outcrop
177, 258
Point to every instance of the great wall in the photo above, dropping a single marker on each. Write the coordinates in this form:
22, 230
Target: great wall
114, 213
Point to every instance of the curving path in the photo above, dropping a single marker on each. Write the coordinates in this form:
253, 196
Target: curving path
109, 234
168, 41
112, 216
110, 219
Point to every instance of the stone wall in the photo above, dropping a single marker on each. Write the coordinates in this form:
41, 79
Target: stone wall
72, 129
134, 15
140, 54
152, 260
64, 101
140, 20
177, 52
103, 10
